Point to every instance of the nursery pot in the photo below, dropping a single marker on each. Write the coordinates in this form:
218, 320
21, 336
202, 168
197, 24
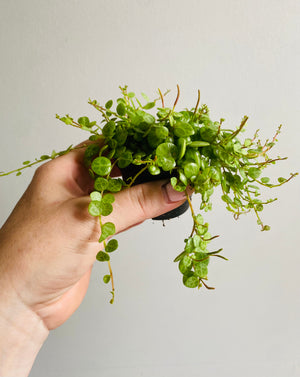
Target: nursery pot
145, 176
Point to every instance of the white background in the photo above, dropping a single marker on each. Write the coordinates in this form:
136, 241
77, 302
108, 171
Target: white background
245, 58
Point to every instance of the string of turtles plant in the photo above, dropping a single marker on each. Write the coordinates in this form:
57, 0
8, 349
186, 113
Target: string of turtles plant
199, 153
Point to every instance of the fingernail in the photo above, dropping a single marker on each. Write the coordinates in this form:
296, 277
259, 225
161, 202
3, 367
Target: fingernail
172, 195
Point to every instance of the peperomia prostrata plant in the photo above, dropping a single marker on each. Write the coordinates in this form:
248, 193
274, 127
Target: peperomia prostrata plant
200, 154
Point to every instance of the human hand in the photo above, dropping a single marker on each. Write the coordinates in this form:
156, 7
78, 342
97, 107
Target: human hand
49, 243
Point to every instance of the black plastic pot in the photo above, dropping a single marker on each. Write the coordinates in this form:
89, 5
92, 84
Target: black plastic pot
144, 177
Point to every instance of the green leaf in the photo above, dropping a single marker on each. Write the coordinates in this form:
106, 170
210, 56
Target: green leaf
181, 143
120, 136
107, 229
281, 179
165, 163
196, 240
109, 104
95, 208
198, 144
44, 157
153, 170
125, 159
190, 169
265, 179
111, 246
108, 198
95, 195
201, 270
192, 155
185, 265
201, 257
145, 97
102, 256
67, 120
149, 105
101, 166
190, 280
115, 185
148, 118
131, 95
259, 207
266, 227
100, 184
183, 178
209, 133
167, 150
121, 110
105, 208
199, 219
106, 279
26, 162
183, 129
109, 129
84, 122
91, 151
254, 173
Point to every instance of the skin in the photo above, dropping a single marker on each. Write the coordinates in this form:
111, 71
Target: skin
48, 246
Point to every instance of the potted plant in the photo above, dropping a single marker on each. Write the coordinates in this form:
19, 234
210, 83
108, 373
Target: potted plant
152, 141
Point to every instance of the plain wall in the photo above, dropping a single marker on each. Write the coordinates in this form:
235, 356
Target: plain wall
244, 56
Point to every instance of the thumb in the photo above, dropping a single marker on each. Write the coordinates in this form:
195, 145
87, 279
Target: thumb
144, 201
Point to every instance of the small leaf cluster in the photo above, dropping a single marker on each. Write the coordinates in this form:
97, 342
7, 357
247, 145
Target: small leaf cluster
197, 153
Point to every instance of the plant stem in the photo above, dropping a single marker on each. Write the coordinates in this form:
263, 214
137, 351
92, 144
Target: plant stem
140, 172
162, 98
111, 276
197, 104
177, 98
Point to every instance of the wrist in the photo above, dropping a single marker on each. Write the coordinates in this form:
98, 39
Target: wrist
22, 334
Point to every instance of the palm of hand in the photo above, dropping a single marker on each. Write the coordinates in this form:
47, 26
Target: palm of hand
52, 273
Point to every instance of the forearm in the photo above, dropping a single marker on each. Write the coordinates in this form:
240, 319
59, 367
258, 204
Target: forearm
22, 334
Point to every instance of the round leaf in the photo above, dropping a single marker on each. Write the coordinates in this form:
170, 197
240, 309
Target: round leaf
115, 185
108, 198
107, 229
111, 246
106, 208
254, 173
200, 270
185, 265
191, 169
95, 196
100, 184
106, 279
102, 256
101, 165
94, 208
153, 170
183, 129
125, 159
84, 121
190, 280
109, 129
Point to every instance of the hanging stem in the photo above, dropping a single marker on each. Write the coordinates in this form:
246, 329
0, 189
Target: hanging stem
197, 104
162, 98
177, 98
140, 172
111, 276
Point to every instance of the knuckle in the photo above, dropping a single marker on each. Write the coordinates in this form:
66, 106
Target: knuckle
140, 201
